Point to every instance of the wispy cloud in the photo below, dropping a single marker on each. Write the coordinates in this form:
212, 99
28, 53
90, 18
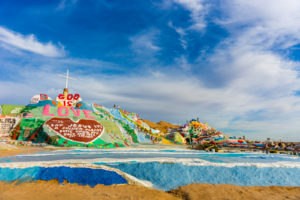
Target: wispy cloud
145, 41
198, 10
29, 43
270, 23
144, 45
182, 33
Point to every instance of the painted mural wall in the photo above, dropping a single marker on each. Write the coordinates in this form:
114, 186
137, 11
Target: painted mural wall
9, 117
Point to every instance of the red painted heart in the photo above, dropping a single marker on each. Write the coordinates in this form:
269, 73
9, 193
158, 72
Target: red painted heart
84, 131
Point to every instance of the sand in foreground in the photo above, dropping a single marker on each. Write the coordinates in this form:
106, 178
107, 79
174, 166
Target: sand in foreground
232, 192
14, 152
53, 190
7, 150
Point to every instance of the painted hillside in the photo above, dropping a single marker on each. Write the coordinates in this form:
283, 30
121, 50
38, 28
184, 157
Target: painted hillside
68, 121
80, 124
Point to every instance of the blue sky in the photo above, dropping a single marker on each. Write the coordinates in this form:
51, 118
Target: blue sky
234, 64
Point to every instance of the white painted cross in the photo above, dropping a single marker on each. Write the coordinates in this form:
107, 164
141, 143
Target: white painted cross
67, 78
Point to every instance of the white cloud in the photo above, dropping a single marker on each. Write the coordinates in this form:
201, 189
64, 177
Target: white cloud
247, 58
29, 43
271, 23
145, 41
182, 33
198, 12
11, 49
259, 72
261, 82
157, 74
144, 46
183, 63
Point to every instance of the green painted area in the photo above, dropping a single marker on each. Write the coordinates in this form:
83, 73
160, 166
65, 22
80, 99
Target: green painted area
8, 109
28, 127
130, 131
119, 130
112, 132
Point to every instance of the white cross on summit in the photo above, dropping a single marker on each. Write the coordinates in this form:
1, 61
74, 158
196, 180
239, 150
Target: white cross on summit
67, 78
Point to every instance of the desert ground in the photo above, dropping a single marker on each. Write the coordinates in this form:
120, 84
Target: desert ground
54, 190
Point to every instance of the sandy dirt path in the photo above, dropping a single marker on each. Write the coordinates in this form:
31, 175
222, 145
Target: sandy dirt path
232, 192
13, 152
53, 190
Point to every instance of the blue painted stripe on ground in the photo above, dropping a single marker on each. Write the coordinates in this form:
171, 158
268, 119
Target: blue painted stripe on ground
9, 174
82, 176
167, 176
